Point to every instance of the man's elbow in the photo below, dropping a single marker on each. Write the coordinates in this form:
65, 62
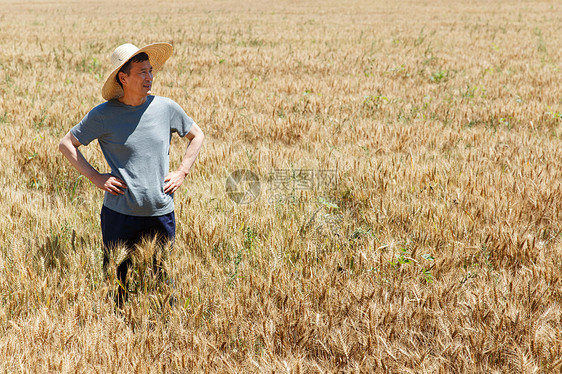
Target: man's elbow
62, 146
196, 136
199, 133
66, 144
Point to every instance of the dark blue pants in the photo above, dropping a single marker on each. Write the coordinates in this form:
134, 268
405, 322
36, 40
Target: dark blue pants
124, 230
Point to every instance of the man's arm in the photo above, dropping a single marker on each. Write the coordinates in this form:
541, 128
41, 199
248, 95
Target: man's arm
175, 179
69, 148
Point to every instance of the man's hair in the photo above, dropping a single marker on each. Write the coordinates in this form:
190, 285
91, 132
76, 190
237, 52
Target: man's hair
127, 67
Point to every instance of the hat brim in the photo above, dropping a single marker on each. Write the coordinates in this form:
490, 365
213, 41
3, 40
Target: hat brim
157, 53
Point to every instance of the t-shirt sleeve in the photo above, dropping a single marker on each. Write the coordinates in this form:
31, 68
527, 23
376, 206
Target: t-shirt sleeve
90, 128
179, 121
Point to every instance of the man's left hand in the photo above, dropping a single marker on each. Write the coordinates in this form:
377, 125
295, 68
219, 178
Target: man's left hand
173, 181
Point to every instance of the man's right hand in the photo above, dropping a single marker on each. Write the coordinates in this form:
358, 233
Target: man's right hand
109, 183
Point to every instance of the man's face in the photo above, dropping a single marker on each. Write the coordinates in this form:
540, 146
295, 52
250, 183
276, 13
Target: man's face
139, 80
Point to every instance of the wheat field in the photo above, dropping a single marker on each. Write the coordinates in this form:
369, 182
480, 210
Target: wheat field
434, 244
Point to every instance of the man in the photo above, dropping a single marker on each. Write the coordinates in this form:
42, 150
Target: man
134, 129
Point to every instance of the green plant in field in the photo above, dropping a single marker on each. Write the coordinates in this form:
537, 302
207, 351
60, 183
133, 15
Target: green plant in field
506, 121
469, 92
31, 155
404, 258
234, 274
326, 203
8, 80
421, 37
91, 65
249, 239
374, 102
74, 186
426, 272
248, 248
361, 232
35, 183
541, 44
439, 76
399, 70
41, 119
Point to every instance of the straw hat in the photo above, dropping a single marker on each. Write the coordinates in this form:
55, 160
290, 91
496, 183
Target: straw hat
157, 53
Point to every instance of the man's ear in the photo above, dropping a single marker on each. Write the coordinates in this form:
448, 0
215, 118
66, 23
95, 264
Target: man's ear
122, 76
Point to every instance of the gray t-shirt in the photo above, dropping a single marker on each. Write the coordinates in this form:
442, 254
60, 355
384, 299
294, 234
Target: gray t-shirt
135, 141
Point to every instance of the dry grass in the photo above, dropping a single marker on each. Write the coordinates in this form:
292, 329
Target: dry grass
438, 251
